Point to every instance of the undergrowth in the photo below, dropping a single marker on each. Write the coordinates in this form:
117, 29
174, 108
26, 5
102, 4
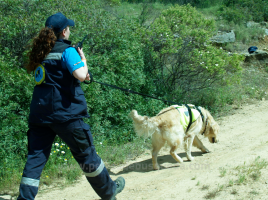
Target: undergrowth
118, 55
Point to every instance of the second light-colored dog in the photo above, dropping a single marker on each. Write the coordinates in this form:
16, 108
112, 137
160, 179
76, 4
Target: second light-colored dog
166, 127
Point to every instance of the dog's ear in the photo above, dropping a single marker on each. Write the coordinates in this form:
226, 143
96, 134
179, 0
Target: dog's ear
211, 129
214, 127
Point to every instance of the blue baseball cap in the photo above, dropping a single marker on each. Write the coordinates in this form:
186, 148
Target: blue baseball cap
58, 22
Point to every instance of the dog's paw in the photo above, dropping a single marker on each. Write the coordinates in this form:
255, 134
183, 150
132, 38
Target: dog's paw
156, 167
191, 158
205, 150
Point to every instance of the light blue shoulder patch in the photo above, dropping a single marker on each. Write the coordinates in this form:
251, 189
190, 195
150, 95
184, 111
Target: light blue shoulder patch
39, 74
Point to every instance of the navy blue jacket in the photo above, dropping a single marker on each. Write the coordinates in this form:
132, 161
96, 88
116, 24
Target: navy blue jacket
59, 97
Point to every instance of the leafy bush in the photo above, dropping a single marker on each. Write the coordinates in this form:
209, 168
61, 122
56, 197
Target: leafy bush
115, 56
240, 10
184, 61
171, 58
114, 2
233, 15
15, 96
195, 3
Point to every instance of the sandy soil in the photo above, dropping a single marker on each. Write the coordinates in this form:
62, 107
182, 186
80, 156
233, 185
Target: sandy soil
243, 136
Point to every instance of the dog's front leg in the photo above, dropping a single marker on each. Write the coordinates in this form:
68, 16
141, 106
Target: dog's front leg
197, 143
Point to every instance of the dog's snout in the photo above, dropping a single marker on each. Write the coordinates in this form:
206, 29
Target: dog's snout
214, 140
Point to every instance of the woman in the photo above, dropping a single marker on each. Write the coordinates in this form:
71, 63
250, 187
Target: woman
58, 107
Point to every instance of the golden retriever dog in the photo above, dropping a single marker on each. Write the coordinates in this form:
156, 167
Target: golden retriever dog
166, 127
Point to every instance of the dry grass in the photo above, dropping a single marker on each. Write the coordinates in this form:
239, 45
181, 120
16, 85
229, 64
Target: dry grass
222, 171
243, 175
205, 187
234, 191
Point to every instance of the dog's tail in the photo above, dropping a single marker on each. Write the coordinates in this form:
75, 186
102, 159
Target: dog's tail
143, 125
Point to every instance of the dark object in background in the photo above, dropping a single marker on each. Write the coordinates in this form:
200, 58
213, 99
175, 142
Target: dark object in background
252, 49
80, 44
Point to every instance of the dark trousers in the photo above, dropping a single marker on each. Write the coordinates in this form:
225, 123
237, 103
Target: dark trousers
76, 134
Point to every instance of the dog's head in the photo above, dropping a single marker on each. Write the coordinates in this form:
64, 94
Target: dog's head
212, 128
212, 131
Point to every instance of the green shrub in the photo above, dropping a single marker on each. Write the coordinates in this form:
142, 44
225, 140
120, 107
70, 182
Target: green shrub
114, 2
119, 52
233, 14
239, 10
195, 3
15, 96
182, 59
115, 56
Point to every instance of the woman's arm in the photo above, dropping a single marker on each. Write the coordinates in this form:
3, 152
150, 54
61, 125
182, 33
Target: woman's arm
82, 73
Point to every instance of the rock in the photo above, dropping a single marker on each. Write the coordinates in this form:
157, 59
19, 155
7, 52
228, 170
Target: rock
252, 24
262, 25
266, 31
259, 55
5, 197
224, 37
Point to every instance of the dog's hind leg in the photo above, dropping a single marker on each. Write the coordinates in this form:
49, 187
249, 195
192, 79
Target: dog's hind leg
197, 143
158, 143
174, 155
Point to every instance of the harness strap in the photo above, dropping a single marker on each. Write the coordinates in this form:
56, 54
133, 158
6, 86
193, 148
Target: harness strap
190, 115
199, 110
163, 112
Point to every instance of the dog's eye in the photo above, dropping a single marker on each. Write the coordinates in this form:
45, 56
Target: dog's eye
213, 139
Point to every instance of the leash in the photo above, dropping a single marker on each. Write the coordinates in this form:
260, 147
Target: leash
126, 90
133, 92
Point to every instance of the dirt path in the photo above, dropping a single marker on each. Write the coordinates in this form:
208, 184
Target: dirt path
243, 137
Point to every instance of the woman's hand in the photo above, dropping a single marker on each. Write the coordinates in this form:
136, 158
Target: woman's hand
87, 77
81, 53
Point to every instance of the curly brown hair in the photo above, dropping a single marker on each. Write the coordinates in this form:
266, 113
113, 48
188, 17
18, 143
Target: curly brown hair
40, 48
